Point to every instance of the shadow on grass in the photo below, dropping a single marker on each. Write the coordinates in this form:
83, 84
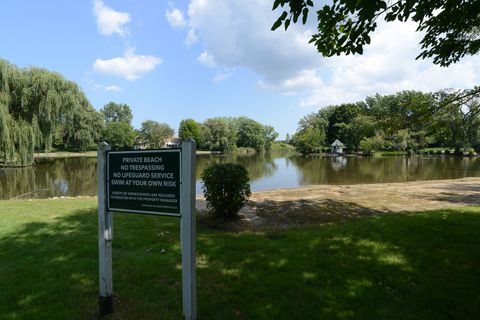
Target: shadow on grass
467, 194
274, 215
473, 187
49, 270
420, 266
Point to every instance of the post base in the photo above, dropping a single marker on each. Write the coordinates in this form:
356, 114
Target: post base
105, 305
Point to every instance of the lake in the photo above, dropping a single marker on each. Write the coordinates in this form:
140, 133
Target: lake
77, 176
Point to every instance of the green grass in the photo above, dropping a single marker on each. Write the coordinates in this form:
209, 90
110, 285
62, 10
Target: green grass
245, 150
282, 146
417, 266
390, 153
65, 154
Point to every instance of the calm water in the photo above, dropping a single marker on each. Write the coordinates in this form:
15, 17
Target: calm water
77, 176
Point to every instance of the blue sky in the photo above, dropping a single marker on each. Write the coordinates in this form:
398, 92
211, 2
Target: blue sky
171, 60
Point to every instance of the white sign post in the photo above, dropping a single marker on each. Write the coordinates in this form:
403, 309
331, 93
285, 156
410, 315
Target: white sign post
105, 235
126, 203
188, 230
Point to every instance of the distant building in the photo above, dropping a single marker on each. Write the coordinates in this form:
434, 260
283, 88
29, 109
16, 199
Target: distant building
337, 147
172, 142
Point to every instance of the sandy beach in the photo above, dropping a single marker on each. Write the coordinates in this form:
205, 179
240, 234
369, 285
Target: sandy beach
321, 204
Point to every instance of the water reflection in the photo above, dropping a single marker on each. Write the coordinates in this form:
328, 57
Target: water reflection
77, 176
50, 178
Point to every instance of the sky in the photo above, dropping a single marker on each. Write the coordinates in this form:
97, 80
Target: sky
172, 60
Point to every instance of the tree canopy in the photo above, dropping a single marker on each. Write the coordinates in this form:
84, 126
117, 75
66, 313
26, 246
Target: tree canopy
114, 112
119, 134
218, 134
228, 133
253, 134
154, 134
450, 27
118, 131
190, 128
405, 121
39, 108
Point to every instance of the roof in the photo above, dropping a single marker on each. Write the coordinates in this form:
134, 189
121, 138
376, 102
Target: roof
337, 143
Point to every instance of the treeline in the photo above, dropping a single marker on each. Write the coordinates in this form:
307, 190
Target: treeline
405, 121
41, 110
226, 134
215, 134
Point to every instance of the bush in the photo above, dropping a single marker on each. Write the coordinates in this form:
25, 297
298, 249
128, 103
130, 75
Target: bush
226, 188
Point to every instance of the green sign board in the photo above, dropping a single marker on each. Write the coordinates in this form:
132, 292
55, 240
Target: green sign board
144, 181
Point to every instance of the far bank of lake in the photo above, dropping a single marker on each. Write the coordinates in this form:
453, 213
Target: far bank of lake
76, 176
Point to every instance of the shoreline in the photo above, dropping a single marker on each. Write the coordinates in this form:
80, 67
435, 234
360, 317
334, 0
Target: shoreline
325, 204
305, 192
89, 154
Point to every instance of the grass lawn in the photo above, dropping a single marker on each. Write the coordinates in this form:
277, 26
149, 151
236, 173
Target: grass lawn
416, 266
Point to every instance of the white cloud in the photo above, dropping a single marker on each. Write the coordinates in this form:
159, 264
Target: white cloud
113, 88
191, 38
389, 66
305, 80
207, 60
110, 21
130, 66
236, 34
221, 77
101, 87
175, 18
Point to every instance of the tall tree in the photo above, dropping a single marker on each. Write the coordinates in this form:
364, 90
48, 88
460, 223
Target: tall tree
35, 106
154, 134
449, 27
250, 133
118, 131
218, 134
119, 134
310, 140
190, 128
341, 114
270, 135
115, 112
403, 110
458, 119
352, 133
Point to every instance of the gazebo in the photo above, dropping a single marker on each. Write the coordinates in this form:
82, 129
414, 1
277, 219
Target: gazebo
337, 146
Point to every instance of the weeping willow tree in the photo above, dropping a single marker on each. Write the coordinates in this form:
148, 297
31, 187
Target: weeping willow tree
34, 104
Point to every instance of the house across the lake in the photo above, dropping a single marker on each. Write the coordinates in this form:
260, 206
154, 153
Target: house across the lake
172, 142
337, 147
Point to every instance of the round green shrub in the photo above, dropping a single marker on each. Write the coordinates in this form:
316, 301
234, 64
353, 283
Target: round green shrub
226, 188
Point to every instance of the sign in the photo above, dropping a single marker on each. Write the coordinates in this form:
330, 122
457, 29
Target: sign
159, 182
144, 181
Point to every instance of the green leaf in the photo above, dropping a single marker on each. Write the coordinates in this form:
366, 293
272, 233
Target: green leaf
287, 23
277, 24
367, 39
305, 15
276, 3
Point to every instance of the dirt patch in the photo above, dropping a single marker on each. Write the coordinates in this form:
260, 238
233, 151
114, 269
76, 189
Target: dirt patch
323, 204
